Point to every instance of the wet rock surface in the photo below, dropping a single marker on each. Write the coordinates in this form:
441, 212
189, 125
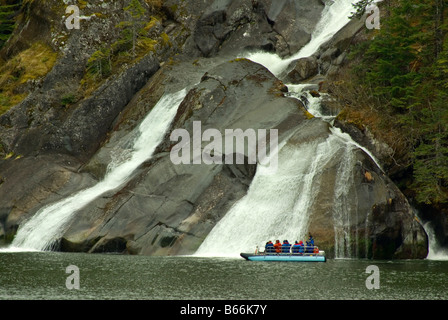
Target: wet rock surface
165, 208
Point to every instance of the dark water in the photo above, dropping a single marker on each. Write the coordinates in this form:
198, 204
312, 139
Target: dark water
38, 275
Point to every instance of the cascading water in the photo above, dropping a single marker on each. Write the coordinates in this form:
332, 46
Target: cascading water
279, 206
312, 103
276, 206
49, 223
343, 210
334, 17
434, 251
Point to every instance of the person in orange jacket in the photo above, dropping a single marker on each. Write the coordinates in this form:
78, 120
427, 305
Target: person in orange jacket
278, 246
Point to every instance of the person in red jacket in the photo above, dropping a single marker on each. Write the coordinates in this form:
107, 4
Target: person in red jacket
278, 246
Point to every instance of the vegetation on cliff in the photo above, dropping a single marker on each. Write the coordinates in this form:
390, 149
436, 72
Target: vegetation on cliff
18, 72
138, 35
398, 83
25, 60
8, 11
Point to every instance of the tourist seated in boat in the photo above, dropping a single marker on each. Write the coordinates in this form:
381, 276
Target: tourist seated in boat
278, 246
286, 246
310, 245
295, 247
269, 247
298, 247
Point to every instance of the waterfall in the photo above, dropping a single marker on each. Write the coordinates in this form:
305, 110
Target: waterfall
434, 251
279, 206
49, 223
334, 17
343, 210
342, 206
312, 103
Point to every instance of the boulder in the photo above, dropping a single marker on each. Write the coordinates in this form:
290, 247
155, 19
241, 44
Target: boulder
303, 69
294, 22
331, 55
234, 26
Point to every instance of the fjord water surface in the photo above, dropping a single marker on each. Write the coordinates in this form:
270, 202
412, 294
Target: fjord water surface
38, 275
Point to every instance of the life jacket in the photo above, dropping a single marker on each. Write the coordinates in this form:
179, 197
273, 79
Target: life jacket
296, 248
285, 247
269, 247
278, 247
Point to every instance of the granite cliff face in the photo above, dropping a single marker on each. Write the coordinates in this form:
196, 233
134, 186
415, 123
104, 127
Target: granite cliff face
54, 149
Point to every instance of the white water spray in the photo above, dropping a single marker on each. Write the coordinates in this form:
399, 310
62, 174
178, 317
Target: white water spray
434, 251
275, 207
343, 205
49, 223
312, 103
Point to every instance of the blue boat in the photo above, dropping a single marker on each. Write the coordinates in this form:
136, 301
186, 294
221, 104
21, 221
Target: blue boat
285, 257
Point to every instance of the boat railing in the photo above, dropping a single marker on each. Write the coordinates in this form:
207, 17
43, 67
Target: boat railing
307, 251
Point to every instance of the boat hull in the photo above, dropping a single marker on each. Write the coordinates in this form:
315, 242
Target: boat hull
283, 258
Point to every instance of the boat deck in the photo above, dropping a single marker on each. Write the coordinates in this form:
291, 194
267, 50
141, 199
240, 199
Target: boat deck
311, 257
